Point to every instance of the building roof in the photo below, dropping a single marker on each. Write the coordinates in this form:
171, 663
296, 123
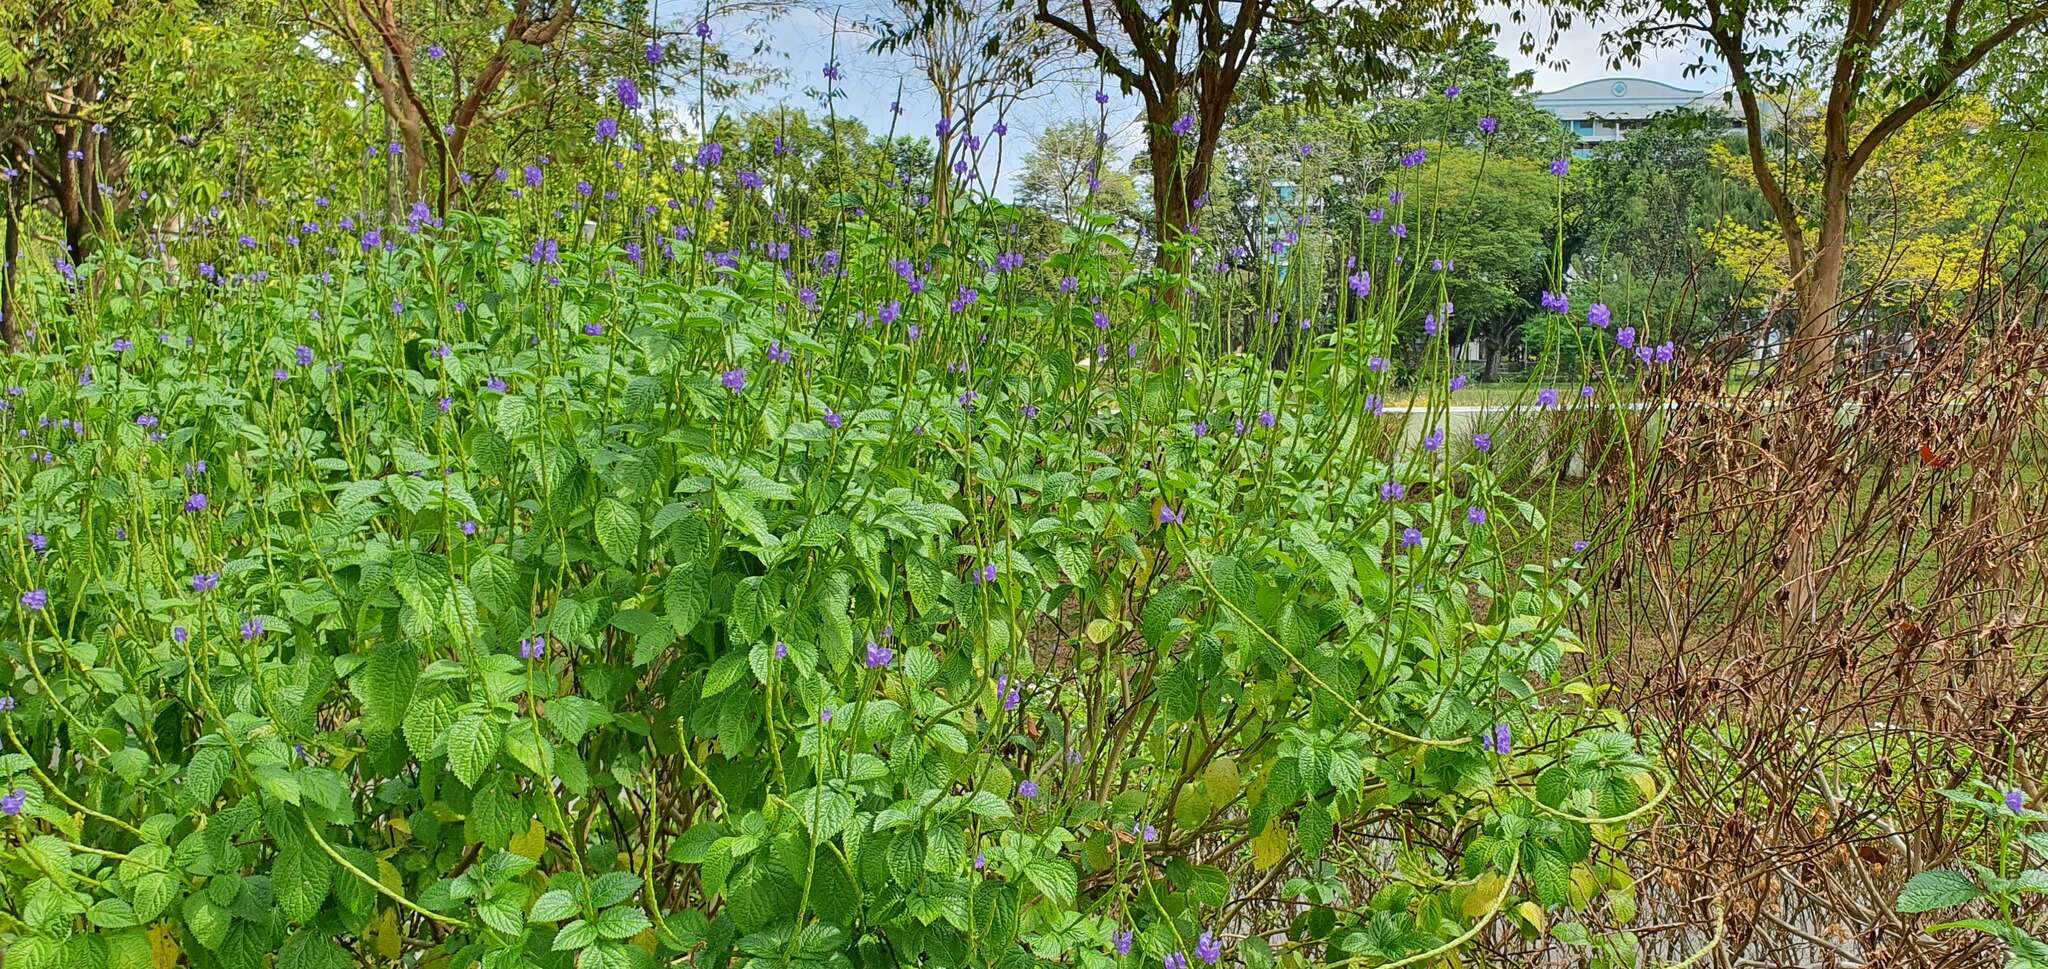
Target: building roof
1618, 98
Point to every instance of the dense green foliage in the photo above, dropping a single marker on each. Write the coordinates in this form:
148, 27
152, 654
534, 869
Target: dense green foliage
662, 558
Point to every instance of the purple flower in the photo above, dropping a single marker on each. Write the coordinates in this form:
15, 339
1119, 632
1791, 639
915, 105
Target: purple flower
252, 628
1027, 789
1483, 442
1476, 515
1598, 315
39, 543
1411, 537
535, 648
304, 355
825, 715
1201, 428
607, 129
1393, 491
1377, 365
1488, 124
654, 53
1102, 97
1625, 337
196, 503
1176, 960
469, 527
436, 52
1208, 948
1434, 441
496, 385
628, 93
1266, 418
1546, 398
781, 649
1665, 351
1578, 547
6, 704
710, 155
879, 656
777, 353
179, 635
1361, 284
1560, 167
2015, 800
1167, 516
833, 420
206, 582
734, 380
36, 599
12, 804
1184, 125
1122, 941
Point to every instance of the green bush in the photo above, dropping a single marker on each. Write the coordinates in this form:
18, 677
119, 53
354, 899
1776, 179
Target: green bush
495, 594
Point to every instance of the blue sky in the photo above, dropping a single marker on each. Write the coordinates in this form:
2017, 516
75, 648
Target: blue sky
800, 41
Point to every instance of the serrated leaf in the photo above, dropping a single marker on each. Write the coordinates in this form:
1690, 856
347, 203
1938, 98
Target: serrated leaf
1940, 888
618, 530
1054, 879
473, 743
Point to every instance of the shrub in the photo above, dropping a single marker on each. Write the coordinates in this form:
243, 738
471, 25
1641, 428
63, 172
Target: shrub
498, 593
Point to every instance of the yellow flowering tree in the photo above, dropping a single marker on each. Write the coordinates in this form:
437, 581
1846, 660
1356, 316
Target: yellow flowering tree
1919, 217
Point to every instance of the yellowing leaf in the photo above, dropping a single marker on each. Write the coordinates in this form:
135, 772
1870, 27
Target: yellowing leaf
1483, 893
163, 947
385, 938
1532, 913
1223, 780
1270, 847
530, 844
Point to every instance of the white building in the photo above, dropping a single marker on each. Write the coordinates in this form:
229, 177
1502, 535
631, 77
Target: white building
1608, 108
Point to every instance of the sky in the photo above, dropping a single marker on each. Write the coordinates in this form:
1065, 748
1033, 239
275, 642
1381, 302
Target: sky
800, 41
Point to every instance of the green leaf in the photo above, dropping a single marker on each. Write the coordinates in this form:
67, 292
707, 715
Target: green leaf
203, 777
686, 594
750, 610
553, 906
1054, 879
618, 530
1550, 876
430, 715
621, 922
613, 887
154, 892
111, 913
206, 921
301, 878
724, 673
384, 684
1940, 888
575, 935
310, 950
473, 743
1314, 828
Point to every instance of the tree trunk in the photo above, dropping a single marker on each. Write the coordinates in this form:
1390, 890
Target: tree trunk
1172, 208
1819, 294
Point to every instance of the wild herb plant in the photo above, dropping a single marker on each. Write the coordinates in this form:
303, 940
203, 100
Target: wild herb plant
2018, 868
655, 559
